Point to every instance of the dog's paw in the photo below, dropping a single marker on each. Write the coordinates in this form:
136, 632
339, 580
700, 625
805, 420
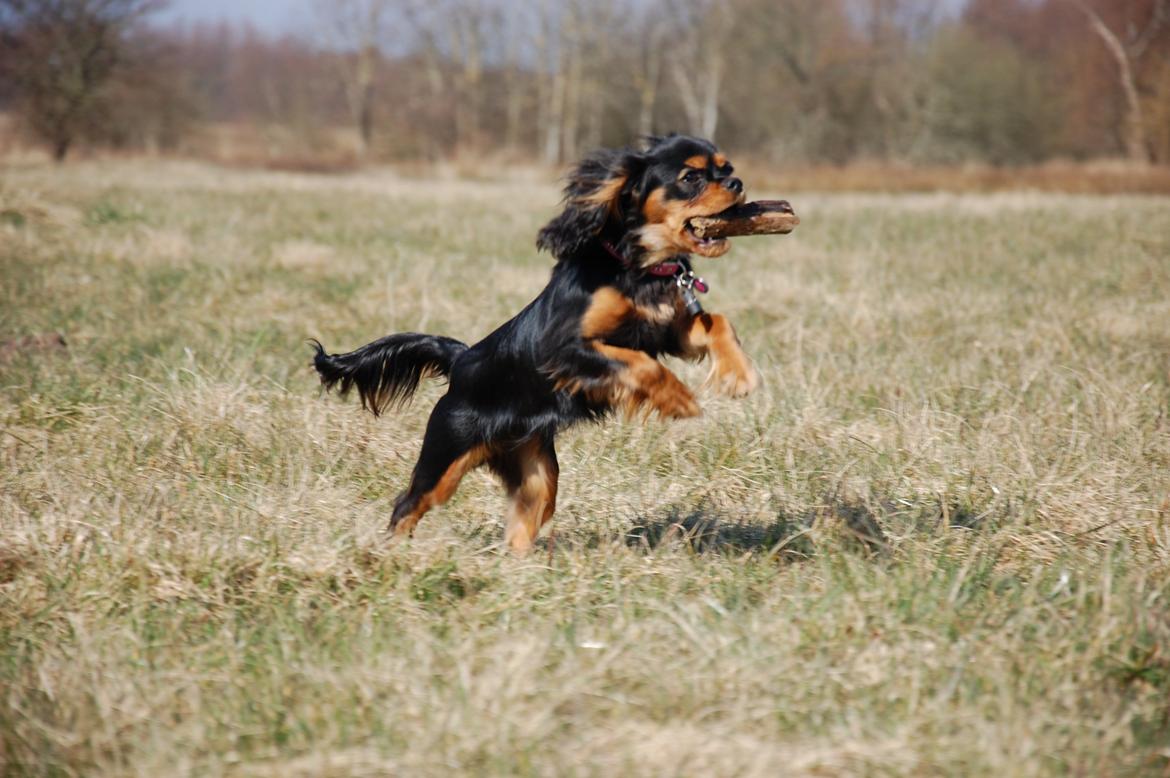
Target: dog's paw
734, 377
685, 408
675, 401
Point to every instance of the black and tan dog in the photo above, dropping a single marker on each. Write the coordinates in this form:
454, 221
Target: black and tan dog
588, 344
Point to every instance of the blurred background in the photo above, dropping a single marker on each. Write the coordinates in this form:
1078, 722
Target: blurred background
833, 93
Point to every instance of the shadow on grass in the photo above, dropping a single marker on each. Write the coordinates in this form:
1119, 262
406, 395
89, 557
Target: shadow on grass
704, 530
839, 522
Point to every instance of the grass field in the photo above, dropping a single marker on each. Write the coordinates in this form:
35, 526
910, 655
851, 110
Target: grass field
936, 542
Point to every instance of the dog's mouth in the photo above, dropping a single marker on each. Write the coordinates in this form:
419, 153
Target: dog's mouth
707, 247
673, 232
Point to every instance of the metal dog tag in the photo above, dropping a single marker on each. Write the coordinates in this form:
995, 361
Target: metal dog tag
686, 287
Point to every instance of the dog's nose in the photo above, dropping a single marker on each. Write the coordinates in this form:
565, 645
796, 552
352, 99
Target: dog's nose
734, 185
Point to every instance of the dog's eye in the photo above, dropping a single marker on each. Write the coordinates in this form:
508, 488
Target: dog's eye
692, 176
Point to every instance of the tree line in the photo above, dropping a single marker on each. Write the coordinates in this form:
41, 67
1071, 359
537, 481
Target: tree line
809, 81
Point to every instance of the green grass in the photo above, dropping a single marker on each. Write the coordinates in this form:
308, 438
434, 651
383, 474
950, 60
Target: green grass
935, 542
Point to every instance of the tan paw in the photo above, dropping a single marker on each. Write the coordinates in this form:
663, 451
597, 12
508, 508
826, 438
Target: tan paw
519, 540
734, 377
675, 401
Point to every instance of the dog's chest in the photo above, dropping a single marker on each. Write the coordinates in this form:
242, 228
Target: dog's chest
653, 323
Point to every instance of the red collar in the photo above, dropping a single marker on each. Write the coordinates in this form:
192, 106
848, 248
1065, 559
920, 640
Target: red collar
614, 253
664, 269
668, 268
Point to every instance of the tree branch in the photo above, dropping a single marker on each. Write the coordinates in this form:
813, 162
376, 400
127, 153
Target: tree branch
1135, 145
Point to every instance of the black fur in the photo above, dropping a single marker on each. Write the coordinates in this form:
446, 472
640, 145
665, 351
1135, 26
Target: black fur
579, 222
536, 374
387, 371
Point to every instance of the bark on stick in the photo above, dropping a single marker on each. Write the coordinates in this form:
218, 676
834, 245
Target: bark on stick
763, 217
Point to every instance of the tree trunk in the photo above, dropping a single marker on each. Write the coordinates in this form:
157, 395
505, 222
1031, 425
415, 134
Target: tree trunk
553, 118
513, 106
468, 47
362, 100
61, 148
1133, 133
366, 120
713, 83
648, 91
717, 25
700, 93
551, 85
646, 112
571, 120
690, 100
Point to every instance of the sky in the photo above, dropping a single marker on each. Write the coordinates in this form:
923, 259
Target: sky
288, 16
270, 16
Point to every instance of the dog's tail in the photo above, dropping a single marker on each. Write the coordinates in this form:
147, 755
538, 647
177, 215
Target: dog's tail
387, 371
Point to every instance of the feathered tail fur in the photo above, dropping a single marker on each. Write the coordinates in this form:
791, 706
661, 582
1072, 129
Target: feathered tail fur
387, 371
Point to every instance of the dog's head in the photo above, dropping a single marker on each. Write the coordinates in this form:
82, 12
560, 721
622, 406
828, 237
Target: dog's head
642, 201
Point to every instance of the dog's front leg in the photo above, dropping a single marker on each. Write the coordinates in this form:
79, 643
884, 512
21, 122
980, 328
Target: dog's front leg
643, 380
731, 369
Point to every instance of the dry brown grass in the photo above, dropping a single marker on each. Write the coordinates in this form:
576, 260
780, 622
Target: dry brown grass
936, 542
334, 150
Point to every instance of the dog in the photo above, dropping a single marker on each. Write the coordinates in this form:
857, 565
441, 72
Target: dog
620, 296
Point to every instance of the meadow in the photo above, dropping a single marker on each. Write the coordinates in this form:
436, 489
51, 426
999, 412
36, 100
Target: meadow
936, 541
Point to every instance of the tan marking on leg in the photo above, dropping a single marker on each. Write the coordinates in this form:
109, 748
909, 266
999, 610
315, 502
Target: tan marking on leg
605, 313
535, 500
645, 381
443, 489
731, 369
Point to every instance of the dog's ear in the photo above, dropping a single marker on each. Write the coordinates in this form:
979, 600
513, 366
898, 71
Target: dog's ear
597, 191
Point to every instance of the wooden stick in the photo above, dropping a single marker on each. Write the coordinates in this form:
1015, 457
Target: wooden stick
763, 217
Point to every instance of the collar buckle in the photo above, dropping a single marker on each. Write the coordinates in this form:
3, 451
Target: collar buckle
689, 283
680, 268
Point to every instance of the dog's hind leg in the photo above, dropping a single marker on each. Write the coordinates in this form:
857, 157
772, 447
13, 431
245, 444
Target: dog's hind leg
446, 457
530, 474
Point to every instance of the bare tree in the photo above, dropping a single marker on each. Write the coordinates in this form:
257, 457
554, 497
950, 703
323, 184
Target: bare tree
549, 46
1125, 53
357, 29
455, 40
424, 25
704, 33
63, 53
596, 21
647, 70
573, 42
468, 25
895, 89
514, 74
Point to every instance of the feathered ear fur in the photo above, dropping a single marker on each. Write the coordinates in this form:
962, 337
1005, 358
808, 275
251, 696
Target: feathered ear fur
593, 195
